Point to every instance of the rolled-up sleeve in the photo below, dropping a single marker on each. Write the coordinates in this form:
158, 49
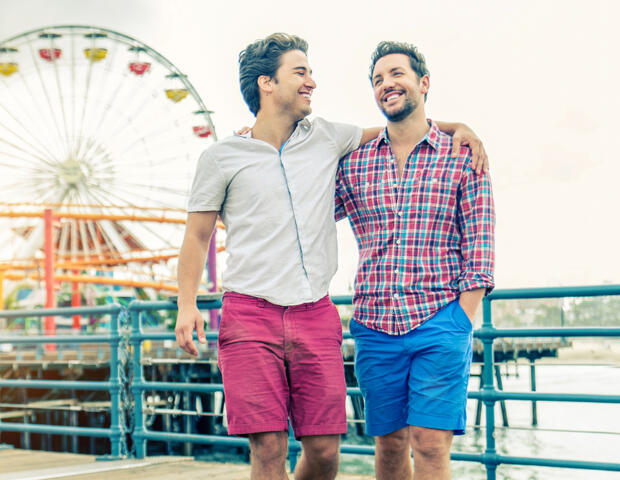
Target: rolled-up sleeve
209, 186
476, 220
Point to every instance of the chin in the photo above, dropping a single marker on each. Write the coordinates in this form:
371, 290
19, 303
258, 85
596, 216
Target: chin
304, 112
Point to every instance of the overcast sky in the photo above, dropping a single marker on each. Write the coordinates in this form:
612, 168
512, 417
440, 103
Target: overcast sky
537, 80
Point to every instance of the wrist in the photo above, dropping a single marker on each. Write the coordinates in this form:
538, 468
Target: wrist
185, 303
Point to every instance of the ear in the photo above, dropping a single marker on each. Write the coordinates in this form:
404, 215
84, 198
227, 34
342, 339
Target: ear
265, 84
425, 84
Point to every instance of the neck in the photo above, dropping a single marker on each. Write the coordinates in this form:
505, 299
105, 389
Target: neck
274, 129
410, 131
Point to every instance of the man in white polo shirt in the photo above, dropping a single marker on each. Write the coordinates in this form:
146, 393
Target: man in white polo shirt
280, 335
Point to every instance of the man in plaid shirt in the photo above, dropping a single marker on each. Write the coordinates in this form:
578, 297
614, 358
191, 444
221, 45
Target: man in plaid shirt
424, 222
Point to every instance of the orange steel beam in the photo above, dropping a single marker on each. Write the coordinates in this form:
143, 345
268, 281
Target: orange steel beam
95, 262
101, 216
115, 261
114, 255
90, 205
94, 216
97, 280
85, 263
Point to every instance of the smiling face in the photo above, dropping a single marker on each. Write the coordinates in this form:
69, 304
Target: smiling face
292, 85
398, 90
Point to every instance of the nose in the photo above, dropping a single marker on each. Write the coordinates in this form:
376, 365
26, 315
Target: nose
310, 83
388, 83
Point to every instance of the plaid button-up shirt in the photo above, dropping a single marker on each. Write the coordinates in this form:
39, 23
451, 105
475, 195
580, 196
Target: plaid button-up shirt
422, 238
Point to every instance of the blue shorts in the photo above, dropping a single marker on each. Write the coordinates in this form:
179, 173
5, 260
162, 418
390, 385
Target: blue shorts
419, 378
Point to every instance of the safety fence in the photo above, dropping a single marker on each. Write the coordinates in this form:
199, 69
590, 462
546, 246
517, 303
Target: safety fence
116, 432
137, 385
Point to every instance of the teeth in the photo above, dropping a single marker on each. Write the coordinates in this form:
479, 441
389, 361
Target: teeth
391, 96
305, 95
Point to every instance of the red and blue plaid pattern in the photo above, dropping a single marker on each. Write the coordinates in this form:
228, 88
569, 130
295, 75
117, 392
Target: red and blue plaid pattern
423, 238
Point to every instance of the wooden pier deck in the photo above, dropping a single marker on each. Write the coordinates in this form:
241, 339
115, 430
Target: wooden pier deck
38, 465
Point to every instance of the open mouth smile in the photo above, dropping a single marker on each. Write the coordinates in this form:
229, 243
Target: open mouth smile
390, 97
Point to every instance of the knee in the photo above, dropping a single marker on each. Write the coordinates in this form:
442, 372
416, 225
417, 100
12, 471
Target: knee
268, 448
394, 445
324, 453
430, 443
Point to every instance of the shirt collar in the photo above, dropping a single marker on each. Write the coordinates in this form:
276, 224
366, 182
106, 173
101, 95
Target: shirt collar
432, 137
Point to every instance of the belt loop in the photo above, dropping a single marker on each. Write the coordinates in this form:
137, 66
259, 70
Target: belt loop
260, 302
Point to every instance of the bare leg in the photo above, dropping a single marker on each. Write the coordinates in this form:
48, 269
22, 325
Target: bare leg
319, 458
393, 456
431, 453
268, 455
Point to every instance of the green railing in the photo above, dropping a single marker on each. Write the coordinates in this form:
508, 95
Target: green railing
116, 432
488, 394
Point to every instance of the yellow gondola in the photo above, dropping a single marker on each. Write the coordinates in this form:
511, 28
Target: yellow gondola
95, 54
176, 94
8, 68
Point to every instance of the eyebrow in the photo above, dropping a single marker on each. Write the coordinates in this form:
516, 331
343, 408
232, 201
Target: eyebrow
378, 75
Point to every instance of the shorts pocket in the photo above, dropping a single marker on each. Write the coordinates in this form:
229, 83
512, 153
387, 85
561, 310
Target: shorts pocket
462, 316
338, 323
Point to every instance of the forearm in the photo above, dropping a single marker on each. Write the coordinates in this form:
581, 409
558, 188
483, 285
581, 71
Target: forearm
192, 260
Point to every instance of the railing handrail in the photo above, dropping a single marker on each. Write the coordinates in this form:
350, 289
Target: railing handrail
554, 292
112, 308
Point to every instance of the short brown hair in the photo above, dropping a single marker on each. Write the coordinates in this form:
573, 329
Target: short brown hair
418, 63
263, 58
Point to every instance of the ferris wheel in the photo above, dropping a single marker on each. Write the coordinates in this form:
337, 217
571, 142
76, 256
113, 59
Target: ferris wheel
105, 131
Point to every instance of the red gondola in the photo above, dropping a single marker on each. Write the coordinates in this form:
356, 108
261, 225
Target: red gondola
202, 131
50, 54
139, 68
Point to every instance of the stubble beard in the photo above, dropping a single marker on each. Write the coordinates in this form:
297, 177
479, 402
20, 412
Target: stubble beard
399, 115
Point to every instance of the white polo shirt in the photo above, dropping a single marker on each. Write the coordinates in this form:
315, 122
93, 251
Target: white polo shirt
278, 208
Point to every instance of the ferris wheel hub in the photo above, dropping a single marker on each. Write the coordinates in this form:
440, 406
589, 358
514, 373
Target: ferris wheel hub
73, 173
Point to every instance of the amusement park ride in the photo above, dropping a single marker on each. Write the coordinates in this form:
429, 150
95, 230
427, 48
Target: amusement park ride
99, 136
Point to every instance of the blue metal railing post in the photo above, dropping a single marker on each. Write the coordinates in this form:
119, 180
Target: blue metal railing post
137, 383
117, 429
488, 391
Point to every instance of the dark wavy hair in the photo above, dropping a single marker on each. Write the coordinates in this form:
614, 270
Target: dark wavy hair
418, 63
263, 58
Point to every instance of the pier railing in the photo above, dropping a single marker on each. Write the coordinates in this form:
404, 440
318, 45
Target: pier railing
490, 395
138, 385
114, 385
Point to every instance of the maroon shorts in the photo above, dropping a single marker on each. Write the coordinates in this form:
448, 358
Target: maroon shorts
279, 363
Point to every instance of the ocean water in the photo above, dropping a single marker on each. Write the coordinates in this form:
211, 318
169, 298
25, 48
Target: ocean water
571, 431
